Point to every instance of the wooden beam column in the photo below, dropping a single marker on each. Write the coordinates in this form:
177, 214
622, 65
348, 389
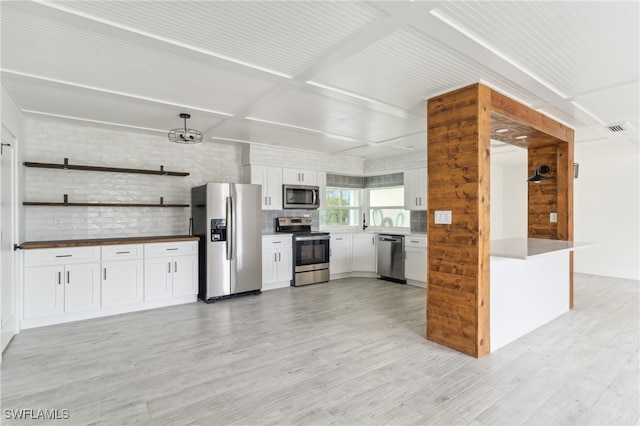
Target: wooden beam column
458, 181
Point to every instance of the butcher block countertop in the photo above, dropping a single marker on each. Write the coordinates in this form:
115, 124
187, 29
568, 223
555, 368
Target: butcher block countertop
106, 241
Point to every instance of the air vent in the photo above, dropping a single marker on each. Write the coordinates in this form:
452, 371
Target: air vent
619, 127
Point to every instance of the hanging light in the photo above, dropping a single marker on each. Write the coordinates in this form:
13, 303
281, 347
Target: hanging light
185, 135
537, 176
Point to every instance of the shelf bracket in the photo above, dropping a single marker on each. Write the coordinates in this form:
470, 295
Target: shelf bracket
66, 164
66, 199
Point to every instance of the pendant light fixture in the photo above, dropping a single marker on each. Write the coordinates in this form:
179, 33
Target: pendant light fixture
187, 136
537, 176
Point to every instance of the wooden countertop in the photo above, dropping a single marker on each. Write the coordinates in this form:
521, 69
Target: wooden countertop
106, 241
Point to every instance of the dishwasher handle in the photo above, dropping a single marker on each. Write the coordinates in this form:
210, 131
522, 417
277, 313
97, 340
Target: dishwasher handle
390, 239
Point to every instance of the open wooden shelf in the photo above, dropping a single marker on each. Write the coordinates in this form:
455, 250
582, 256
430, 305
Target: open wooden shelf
57, 204
67, 166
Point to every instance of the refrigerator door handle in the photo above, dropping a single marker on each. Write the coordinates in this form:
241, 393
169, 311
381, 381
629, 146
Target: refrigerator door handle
230, 228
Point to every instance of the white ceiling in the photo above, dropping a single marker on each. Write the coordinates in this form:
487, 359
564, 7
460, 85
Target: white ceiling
348, 77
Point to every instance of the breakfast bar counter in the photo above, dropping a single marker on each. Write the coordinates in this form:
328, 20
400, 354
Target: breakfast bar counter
530, 285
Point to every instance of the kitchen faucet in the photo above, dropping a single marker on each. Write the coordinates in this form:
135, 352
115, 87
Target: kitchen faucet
364, 221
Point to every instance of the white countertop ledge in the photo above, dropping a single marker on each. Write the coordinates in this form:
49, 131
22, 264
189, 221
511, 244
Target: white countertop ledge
525, 248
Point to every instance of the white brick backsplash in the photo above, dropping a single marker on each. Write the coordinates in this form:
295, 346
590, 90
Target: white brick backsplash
51, 142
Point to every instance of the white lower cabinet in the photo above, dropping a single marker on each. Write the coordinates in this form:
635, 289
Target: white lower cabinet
171, 270
364, 252
415, 265
60, 281
67, 284
122, 275
277, 261
56, 290
340, 253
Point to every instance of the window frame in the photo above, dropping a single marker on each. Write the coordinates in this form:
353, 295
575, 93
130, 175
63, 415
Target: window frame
367, 209
359, 209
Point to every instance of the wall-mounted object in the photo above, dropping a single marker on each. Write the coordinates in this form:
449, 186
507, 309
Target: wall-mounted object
576, 166
66, 203
67, 166
538, 175
186, 136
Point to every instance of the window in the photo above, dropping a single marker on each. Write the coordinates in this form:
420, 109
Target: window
386, 208
342, 207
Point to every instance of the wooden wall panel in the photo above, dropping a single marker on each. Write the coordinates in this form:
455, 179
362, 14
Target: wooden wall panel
458, 180
543, 196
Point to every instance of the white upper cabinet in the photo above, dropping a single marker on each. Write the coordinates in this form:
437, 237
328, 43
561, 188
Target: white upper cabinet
299, 177
415, 189
271, 180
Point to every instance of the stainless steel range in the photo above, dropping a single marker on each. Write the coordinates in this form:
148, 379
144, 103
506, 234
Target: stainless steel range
310, 250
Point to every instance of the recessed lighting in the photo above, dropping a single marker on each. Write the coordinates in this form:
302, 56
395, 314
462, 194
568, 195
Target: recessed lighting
521, 137
502, 130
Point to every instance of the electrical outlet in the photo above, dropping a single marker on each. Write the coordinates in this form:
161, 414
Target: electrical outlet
443, 217
553, 217
57, 222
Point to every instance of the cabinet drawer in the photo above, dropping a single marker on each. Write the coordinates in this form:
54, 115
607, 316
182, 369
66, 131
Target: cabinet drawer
122, 252
276, 241
171, 249
418, 241
61, 256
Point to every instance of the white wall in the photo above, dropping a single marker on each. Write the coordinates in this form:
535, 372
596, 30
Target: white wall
274, 156
607, 208
396, 163
13, 120
508, 193
50, 141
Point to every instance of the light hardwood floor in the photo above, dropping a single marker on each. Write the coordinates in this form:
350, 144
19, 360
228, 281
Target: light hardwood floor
348, 352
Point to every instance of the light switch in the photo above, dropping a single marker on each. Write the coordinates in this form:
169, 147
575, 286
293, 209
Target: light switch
57, 222
553, 217
443, 217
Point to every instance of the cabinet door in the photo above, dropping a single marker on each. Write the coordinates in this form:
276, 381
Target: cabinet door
340, 253
157, 278
274, 188
43, 291
415, 265
308, 177
269, 266
291, 176
185, 275
122, 283
81, 287
259, 177
415, 189
364, 252
284, 266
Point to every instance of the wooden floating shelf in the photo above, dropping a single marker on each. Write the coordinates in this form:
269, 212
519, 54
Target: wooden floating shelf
56, 204
67, 166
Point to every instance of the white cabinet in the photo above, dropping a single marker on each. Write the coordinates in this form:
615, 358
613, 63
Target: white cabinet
415, 265
299, 177
59, 281
364, 252
271, 180
171, 270
122, 275
277, 261
68, 284
415, 189
340, 253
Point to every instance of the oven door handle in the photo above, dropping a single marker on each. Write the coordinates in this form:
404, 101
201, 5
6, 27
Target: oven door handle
312, 238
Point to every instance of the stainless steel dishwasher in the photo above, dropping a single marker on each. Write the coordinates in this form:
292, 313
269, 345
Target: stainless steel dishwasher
391, 257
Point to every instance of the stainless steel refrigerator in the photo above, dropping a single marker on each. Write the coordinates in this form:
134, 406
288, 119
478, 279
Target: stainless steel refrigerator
228, 219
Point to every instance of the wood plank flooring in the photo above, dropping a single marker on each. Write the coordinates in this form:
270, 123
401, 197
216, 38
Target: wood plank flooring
348, 352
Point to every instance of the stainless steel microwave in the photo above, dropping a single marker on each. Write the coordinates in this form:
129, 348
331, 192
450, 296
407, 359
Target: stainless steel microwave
300, 197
